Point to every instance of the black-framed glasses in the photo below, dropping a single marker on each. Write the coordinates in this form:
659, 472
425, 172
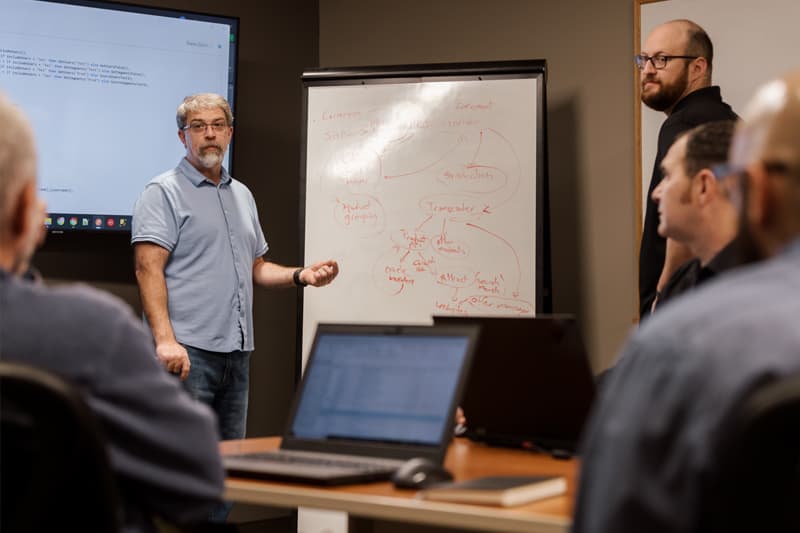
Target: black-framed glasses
200, 127
659, 61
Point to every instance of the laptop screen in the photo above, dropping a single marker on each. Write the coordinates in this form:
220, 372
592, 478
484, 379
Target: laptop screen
393, 384
531, 381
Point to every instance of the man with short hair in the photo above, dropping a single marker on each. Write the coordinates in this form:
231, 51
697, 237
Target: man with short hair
675, 64
653, 447
162, 444
695, 208
199, 248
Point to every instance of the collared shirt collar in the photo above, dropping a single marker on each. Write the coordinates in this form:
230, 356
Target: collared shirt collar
194, 175
726, 258
732, 255
712, 92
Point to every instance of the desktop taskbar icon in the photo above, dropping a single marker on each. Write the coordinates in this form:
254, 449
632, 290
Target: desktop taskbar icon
63, 222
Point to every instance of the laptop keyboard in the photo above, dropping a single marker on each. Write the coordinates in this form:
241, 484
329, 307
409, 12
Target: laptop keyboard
295, 459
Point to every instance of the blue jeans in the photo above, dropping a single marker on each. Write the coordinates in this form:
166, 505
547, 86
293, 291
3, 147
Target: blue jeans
221, 381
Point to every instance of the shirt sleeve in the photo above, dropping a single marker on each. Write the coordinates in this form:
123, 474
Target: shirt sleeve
261, 241
154, 218
261, 246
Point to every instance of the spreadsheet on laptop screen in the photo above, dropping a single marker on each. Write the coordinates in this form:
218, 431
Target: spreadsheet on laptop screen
380, 387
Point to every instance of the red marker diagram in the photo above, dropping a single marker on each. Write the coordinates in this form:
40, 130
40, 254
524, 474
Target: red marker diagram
431, 197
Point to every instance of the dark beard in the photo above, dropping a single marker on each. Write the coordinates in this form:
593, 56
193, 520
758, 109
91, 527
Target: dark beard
669, 95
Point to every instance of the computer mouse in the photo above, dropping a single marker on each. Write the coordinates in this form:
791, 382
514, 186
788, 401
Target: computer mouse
418, 473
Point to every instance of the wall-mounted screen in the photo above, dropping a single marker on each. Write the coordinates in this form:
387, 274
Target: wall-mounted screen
101, 83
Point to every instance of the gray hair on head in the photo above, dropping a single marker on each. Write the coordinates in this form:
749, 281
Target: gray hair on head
201, 102
17, 153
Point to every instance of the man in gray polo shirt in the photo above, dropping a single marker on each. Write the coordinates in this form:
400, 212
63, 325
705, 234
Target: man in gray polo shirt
199, 248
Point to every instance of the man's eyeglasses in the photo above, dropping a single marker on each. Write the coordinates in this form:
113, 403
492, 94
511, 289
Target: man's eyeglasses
773, 168
200, 127
725, 170
660, 61
731, 178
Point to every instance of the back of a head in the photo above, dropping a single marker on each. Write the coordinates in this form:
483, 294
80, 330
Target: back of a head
765, 154
769, 132
708, 145
17, 154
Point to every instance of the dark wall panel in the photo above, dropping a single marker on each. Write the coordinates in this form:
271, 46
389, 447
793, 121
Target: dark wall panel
278, 40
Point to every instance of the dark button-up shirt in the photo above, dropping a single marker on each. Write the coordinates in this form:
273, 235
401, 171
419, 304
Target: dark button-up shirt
692, 273
698, 107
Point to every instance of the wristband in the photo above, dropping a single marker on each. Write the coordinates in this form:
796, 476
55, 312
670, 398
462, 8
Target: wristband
296, 278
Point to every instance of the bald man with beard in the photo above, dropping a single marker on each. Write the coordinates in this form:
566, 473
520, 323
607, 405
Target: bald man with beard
675, 65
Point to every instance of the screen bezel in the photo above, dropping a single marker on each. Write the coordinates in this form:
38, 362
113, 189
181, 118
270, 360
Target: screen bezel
387, 449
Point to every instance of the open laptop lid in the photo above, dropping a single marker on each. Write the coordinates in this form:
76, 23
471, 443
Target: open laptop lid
531, 383
381, 391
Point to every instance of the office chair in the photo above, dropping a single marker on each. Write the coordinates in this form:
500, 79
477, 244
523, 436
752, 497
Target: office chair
55, 473
758, 486
54, 469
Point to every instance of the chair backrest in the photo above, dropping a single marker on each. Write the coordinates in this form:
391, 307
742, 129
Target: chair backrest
55, 469
758, 486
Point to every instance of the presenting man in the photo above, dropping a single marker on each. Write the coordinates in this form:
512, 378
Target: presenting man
199, 248
162, 444
653, 447
695, 207
675, 66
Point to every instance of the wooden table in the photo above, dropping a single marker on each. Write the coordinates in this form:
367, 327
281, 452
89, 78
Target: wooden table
465, 459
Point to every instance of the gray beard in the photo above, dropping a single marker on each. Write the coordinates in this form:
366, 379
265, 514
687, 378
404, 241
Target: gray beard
211, 159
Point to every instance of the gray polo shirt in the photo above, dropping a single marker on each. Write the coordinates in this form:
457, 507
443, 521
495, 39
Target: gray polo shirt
214, 236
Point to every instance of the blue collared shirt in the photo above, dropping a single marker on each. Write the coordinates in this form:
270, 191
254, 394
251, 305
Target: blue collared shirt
213, 235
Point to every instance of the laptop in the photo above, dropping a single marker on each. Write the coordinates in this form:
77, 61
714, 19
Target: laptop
531, 383
371, 397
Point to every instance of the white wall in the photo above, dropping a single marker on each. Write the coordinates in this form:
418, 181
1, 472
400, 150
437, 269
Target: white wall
753, 42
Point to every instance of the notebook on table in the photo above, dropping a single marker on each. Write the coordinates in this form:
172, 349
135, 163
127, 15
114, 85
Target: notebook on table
506, 491
531, 383
371, 398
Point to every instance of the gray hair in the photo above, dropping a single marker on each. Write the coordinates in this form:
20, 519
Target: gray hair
201, 102
17, 154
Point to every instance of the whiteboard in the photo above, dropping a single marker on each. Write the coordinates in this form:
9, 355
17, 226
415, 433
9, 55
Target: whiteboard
753, 43
425, 191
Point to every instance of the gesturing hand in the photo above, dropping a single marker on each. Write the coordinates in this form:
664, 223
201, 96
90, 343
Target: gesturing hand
320, 274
